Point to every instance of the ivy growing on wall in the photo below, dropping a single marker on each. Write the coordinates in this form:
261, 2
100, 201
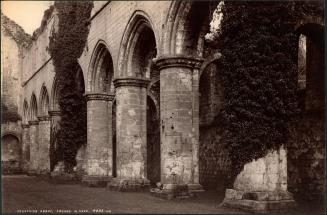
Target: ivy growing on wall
66, 46
259, 46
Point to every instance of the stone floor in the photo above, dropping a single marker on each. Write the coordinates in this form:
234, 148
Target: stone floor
33, 194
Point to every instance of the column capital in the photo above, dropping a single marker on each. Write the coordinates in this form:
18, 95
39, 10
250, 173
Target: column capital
131, 81
99, 96
54, 112
43, 118
25, 125
33, 122
178, 61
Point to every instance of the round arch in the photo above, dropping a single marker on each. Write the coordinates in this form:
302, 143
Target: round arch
101, 70
139, 30
11, 146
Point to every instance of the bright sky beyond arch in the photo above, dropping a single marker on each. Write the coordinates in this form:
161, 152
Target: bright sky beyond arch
27, 14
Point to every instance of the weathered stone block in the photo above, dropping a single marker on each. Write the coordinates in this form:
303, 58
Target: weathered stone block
128, 185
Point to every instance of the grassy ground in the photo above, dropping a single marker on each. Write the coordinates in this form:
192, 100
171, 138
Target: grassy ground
31, 194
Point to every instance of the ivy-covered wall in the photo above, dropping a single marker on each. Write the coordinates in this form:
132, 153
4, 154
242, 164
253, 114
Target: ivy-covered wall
306, 157
69, 41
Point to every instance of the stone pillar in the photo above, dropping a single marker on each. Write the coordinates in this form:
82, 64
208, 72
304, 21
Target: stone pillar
44, 144
25, 147
110, 134
55, 117
262, 185
34, 147
179, 124
99, 150
131, 95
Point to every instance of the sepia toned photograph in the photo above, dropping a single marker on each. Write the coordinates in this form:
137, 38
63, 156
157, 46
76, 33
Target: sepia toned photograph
163, 107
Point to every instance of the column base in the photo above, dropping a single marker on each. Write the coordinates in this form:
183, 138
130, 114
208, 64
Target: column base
43, 172
31, 172
260, 202
128, 185
177, 191
95, 181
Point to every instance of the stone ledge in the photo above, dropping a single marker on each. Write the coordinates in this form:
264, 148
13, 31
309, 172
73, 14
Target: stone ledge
95, 181
260, 206
263, 202
177, 191
129, 185
259, 195
31, 172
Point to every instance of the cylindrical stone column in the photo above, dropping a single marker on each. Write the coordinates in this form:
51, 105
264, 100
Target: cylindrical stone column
25, 147
131, 95
99, 164
110, 134
44, 144
179, 122
55, 117
34, 147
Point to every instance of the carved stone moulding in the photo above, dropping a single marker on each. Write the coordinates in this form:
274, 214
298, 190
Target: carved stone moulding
99, 96
178, 61
43, 118
131, 81
25, 125
33, 122
54, 112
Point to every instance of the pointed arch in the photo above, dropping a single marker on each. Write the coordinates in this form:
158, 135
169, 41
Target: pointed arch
43, 101
25, 112
139, 27
33, 108
54, 101
101, 70
187, 24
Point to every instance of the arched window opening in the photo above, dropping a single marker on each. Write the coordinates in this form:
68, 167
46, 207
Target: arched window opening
10, 153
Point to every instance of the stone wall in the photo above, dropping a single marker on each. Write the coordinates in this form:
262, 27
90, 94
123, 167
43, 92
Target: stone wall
13, 41
213, 157
214, 161
11, 148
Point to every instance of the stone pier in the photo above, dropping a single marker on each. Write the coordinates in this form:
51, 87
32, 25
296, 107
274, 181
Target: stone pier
99, 147
44, 145
179, 125
262, 185
25, 147
131, 134
34, 147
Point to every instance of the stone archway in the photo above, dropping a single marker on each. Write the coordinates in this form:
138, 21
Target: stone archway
306, 148
44, 132
100, 96
11, 154
137, 50
179, 66
214, 162
33, 135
